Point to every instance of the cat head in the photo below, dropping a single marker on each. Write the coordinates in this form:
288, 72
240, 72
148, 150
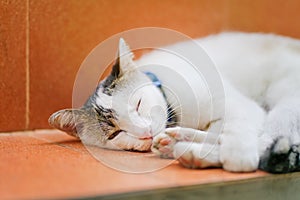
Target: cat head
125, 111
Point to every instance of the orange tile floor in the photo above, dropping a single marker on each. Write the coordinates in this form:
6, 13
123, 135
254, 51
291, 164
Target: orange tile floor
50, 164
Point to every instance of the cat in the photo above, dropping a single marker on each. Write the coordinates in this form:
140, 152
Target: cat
131, 108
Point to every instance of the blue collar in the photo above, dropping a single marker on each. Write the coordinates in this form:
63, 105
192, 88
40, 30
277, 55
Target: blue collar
156, 82
171, 113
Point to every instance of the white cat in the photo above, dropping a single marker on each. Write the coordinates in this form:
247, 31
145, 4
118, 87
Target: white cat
252, 121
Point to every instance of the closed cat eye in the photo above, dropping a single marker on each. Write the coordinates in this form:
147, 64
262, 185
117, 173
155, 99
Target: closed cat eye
114, 134
138, 105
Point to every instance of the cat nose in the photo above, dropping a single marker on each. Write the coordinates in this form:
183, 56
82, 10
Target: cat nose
147, 135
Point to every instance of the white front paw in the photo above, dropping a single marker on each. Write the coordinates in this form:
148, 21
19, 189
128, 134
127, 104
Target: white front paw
163, 145
238, 157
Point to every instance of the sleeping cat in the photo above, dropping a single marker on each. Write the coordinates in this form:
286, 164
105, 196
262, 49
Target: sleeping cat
142, 106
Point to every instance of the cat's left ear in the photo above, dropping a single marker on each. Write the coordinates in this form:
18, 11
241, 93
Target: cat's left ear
125, 57
124, 62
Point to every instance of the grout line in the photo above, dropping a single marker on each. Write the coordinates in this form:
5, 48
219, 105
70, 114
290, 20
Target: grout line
27, 104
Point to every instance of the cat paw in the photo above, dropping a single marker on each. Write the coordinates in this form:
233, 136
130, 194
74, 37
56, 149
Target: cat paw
176, 133
162, 145
195, 155
186, 134
238, 157
281, 157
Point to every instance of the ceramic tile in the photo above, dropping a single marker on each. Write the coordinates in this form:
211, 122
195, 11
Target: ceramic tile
12, 65
62, 33
37, 165
264, 16
60, 138
33, 168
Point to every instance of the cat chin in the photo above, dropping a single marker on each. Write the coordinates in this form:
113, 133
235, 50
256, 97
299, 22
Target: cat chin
125, 141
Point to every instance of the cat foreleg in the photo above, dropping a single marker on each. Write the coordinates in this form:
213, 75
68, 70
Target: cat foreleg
239, 138
163, 143
186, 134
197, 155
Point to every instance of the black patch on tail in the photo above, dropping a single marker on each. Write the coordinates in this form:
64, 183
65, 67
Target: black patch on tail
281, 162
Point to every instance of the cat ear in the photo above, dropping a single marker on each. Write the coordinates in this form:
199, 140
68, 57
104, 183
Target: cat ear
67, 120
124, 62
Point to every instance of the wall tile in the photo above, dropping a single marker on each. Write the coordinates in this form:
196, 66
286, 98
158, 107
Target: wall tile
62, 33
280, 16
12, 65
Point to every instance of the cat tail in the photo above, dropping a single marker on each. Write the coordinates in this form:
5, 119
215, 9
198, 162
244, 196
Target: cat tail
281, 157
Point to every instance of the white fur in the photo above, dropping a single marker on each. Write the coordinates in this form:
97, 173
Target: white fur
138, 125
260, 73
258, 100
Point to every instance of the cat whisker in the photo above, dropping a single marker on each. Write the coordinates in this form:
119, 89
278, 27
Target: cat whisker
175, 104
171, 123
175, 108
173, 113
172, 109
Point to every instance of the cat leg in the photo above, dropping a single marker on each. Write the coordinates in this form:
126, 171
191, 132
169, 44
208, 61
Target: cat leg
239, 139
186, 134
281, 157
163, 143
279, 143
235, 150
197, 155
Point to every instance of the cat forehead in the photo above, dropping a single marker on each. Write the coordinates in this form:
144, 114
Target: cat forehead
120, 97
103, 99
115, 99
